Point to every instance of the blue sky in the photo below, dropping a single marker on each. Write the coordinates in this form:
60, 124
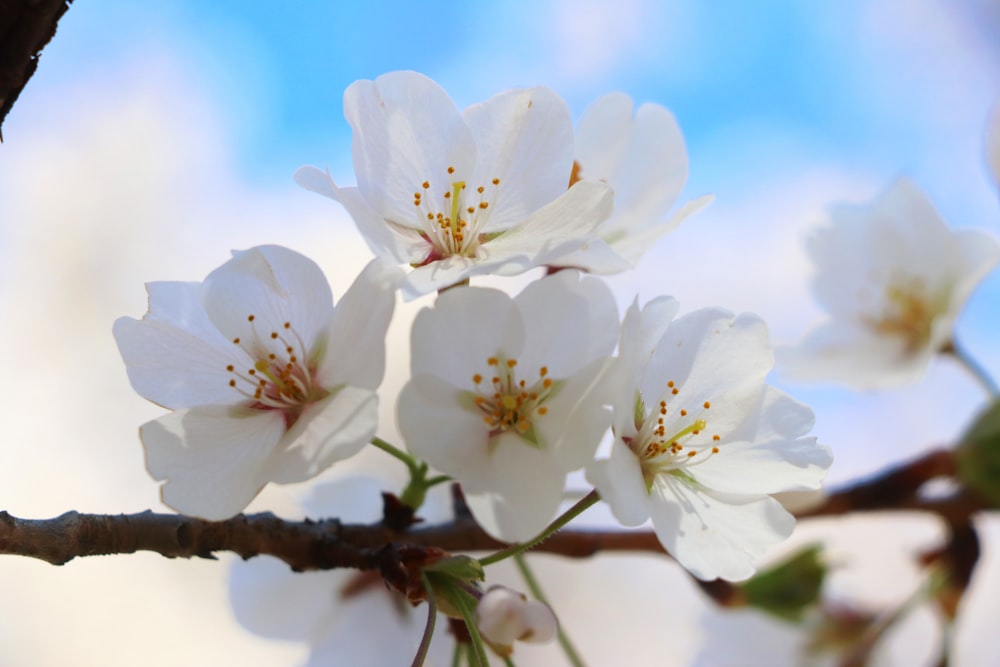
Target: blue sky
157, 136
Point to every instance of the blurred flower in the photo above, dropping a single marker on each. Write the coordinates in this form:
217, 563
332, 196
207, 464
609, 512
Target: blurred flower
461, 194
268, 382
346, 617
642, 157
506, 394
504, 615
894, 279
701, 440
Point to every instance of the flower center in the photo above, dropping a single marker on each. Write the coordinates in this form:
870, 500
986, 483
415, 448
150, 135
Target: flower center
666, 443
280, 377
907, 312
452, 220
508, 404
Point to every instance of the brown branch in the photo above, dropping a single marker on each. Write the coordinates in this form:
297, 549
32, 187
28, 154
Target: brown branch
26, 26
387, 547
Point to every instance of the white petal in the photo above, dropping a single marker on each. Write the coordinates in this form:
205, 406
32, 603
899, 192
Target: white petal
438, 429
174, 356
467, 325
334, 429
576, 420
270, 600
380, 237
602, 135
355, 343
406, 131
766, 467
520, 493
632, 245
275, 285
619, 481
571, 320
524, 138
712, 358
854, 356
553, 231
715, 535
214, 459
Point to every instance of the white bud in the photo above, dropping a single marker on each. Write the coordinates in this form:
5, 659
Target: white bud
504, 615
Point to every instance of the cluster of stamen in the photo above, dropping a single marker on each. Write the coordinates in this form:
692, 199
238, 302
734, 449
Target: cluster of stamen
453, 220
907, 313
663, 450
279, 377
508, 403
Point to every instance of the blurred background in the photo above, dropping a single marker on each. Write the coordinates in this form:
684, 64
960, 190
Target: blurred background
156, 137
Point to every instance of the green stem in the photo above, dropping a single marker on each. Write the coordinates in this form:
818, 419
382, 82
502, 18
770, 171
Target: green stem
458, 654
963, 357
570, 514
461, 600
397, 453
425, 640
536, 590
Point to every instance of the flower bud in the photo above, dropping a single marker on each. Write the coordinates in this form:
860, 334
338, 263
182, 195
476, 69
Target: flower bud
504, 615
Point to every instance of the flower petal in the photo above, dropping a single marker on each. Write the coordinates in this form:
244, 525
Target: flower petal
716, 535
437, 429
270, 600
214, 459
328, 431
406, 131
525, 139
355, 342
385, 241
619, 481
174, 355
275, 285
519, 493
466, 326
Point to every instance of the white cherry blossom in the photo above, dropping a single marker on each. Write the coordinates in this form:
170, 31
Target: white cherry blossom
894, 279
266, 380
458, 194
506, 394
700, 441
640, 153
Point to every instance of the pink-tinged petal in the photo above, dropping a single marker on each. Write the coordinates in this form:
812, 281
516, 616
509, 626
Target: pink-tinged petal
520, 492
406, 131
328, 431
277, 286
466, 326
437, 428
440, 274
575, 321
620, 483
270, 600
386, 241
716, 535
552, 232
214, 459
355, 343
525, 139
174, 366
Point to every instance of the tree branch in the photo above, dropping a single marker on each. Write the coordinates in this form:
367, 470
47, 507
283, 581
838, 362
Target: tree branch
26, 26
397, 551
